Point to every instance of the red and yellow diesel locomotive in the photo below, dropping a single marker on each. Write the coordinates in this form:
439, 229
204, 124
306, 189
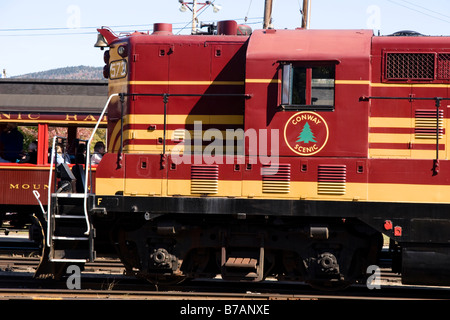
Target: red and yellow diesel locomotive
280, 153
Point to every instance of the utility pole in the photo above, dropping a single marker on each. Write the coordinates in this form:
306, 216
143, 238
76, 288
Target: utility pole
194, 16
267, 14
306, 14
195, 10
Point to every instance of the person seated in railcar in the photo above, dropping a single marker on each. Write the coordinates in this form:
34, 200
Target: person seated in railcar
80, 154
31, 155
99, 151
12, 141
61, 157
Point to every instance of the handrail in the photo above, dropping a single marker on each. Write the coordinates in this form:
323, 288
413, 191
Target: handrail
49, 193
437, 103
37, 195
88, 162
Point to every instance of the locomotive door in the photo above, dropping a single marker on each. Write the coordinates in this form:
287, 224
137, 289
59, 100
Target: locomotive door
144, 120
322, 125
198, 120
390, 122
188, 113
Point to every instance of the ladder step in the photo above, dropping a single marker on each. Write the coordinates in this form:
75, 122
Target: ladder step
69, 238
67, 226
241, 263
72, 254
69, 260
68, 216
68, 195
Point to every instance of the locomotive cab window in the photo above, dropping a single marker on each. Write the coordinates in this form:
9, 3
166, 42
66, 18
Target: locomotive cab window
307, 87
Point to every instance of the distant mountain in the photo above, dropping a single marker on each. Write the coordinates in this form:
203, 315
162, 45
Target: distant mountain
72, 73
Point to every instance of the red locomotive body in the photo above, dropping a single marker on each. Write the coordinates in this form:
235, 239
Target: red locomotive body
284, 153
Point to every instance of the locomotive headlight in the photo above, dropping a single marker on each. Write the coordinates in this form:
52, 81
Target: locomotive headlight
122, 51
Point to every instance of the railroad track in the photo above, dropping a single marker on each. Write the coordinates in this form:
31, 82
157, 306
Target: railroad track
20, 263
104, 279
202, 291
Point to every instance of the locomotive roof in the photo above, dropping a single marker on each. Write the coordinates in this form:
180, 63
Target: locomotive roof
313, 45
75, 96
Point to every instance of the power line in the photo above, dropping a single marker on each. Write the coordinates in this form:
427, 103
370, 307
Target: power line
422, 7
419, 11
48, 34
248, 11
30, 32
67, 28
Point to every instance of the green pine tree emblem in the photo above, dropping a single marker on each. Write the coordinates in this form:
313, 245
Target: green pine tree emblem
306, 135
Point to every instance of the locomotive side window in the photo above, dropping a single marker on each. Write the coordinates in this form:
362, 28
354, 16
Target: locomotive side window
308, 87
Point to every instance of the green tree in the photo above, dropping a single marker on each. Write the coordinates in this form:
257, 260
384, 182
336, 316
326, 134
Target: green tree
306, 135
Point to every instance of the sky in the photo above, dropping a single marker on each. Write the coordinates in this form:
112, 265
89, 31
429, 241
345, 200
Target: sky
42, 35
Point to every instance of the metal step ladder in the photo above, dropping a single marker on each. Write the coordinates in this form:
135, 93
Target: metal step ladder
70, 235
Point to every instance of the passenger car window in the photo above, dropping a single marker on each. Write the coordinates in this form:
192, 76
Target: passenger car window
308, 87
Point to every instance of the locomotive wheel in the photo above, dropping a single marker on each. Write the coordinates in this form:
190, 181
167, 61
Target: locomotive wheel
128, 252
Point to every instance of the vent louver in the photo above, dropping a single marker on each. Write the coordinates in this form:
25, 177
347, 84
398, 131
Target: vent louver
204, 179
425, 124
276, 179
332, 179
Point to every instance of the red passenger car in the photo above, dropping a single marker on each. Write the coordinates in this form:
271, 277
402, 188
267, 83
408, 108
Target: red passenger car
42, 109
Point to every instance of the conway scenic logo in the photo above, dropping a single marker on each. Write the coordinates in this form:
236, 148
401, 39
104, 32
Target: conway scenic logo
306, 133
